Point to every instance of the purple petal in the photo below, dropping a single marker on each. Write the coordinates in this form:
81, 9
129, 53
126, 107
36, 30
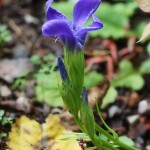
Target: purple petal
82, 33
83, 10
52, 13
61, 29
48, 3
97, 24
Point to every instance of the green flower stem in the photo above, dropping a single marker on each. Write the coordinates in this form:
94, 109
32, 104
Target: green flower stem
102, 131
74, 63
125, 146
111, 130
100, 143
77, 120
105, 148
116, 141
103, 144
96, 141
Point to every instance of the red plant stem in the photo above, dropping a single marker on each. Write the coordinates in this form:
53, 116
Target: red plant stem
110, 68
100, 59
112, 46
1, 2
123, 52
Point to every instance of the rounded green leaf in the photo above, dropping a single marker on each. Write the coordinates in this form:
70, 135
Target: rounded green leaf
110, 97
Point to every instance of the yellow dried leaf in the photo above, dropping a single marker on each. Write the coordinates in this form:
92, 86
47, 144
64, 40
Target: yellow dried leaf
25, 134
52, 128
144, 5
30, 135
146, 33
60, 144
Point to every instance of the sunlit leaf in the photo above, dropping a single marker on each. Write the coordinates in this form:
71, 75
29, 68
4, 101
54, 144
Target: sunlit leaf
110, 97
133, 81
148, 49
126, 140
126, 67
146, 33
47, 89
144, 5
109, 14
145, 67
128, 77
139, 29
1, 114
92, 79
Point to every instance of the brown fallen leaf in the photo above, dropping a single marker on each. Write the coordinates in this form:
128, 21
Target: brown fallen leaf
98, 93
21, 104
133, 99
14, 68
30, 135
68, 121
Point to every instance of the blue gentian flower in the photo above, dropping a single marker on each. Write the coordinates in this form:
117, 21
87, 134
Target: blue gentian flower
72, 33
62, 69
84, 96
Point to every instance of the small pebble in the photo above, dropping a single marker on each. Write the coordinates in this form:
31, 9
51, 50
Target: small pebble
133, 99
113, 110
11, 69
24, 104
30, 19
5, 91
148, 147
56, 111
20, 51
132, 119
29, 89
143, 107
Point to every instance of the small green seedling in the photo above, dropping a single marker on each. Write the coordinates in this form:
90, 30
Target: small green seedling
5, 35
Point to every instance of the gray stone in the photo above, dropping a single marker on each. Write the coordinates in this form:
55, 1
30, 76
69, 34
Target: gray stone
144, 107
30, 19
24, 104
132, 119
148, 147
113, 110
20, 51
14, 68
5, 91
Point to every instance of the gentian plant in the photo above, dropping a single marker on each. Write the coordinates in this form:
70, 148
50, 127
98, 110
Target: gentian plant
73, 36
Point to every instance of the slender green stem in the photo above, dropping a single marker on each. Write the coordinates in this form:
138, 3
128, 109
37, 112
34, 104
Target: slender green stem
104, 144
125, 146
102, 131
77, 120
111, 130
116, 141
96, 141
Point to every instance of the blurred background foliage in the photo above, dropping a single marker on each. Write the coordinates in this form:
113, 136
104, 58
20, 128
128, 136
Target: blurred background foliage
123, 24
